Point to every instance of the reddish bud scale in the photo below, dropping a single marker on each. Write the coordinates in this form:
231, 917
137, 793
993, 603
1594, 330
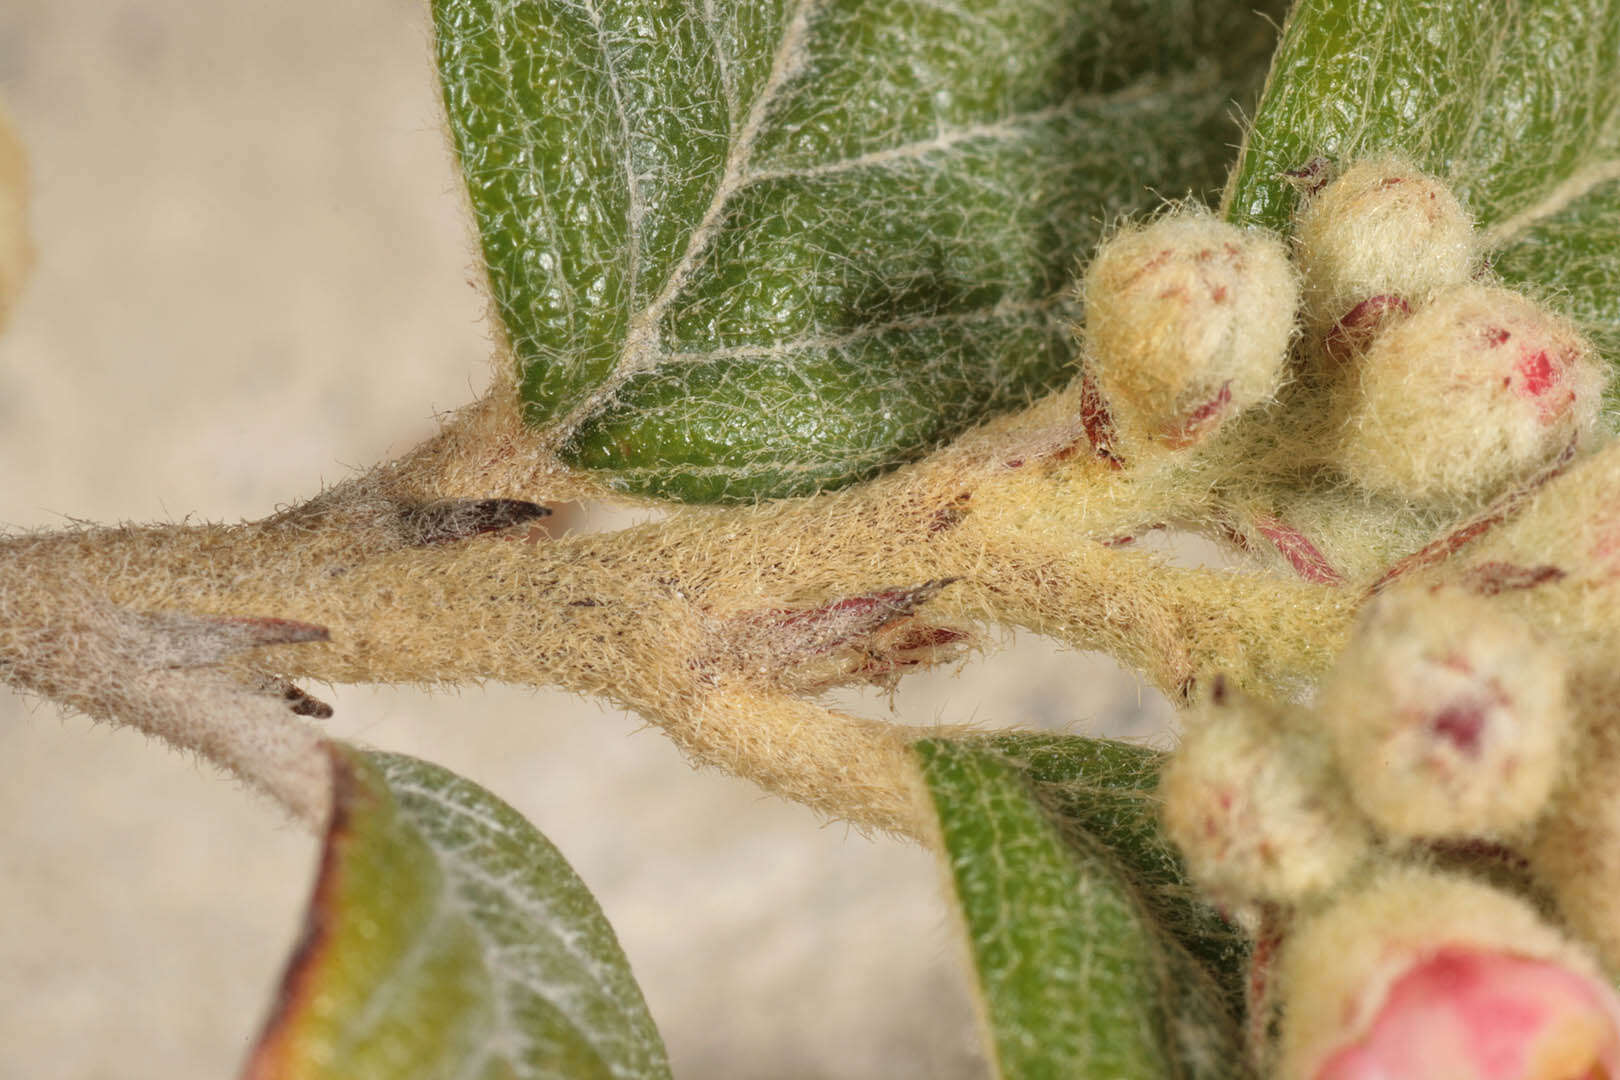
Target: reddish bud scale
1306, 559
1192, 428
1098, 424
1438, 551
1361, 325
1496, 577
870, 637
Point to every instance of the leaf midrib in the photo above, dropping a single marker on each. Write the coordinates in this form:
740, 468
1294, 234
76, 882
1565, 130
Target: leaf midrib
1575, 187
642, 351
450, 901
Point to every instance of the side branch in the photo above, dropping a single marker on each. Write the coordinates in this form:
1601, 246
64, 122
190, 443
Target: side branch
712, 624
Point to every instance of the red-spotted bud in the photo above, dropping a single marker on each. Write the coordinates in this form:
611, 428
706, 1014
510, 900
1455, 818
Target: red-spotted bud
1476, 388
1188, 321
1447, 715
1254, 806
1383, 228
1421, 976
1575, 853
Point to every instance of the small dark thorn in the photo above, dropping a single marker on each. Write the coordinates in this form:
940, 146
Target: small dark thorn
303, 704
457, 519
320, 710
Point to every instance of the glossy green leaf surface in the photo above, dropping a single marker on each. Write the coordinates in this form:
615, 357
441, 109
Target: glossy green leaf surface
447, 938
1076, 913
745, 249
1516, 105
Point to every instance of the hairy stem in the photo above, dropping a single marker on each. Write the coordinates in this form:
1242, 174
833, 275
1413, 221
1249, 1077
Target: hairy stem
1014, 526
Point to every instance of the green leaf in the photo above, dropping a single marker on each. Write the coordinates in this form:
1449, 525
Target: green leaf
447, 938
1077, 914
747, 249
1516, 105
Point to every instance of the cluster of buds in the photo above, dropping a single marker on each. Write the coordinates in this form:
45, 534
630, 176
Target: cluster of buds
1445, 722
1440, 386
1442, 736
1421, 381
1379, 365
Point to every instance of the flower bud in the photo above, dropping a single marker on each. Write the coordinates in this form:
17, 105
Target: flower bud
1188, 321
1255, 807
1382, 228
1422, 975
1476, 388
1576, 850
1448, 716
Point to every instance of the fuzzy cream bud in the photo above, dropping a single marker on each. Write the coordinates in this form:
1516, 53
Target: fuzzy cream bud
1382, 228
1255, 807
1478, 387
1448, 716
1188, 321
1422, 975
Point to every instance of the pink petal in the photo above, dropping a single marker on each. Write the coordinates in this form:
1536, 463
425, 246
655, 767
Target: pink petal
1462, 1014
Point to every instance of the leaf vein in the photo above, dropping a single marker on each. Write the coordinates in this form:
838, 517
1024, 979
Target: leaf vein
621, 112
1579, 184
640, 346
1015, 125
1011, 310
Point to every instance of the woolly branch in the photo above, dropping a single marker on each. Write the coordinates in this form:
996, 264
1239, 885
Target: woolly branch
708, 623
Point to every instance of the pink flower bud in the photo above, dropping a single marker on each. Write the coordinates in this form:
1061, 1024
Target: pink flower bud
1486, 1016
1188, 322
1475, 389
1382, 228
1448, 716
1434, 977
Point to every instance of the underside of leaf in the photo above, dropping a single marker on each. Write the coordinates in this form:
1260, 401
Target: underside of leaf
447, 938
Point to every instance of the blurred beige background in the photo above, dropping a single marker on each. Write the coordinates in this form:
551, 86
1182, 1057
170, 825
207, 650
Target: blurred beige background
253, 278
